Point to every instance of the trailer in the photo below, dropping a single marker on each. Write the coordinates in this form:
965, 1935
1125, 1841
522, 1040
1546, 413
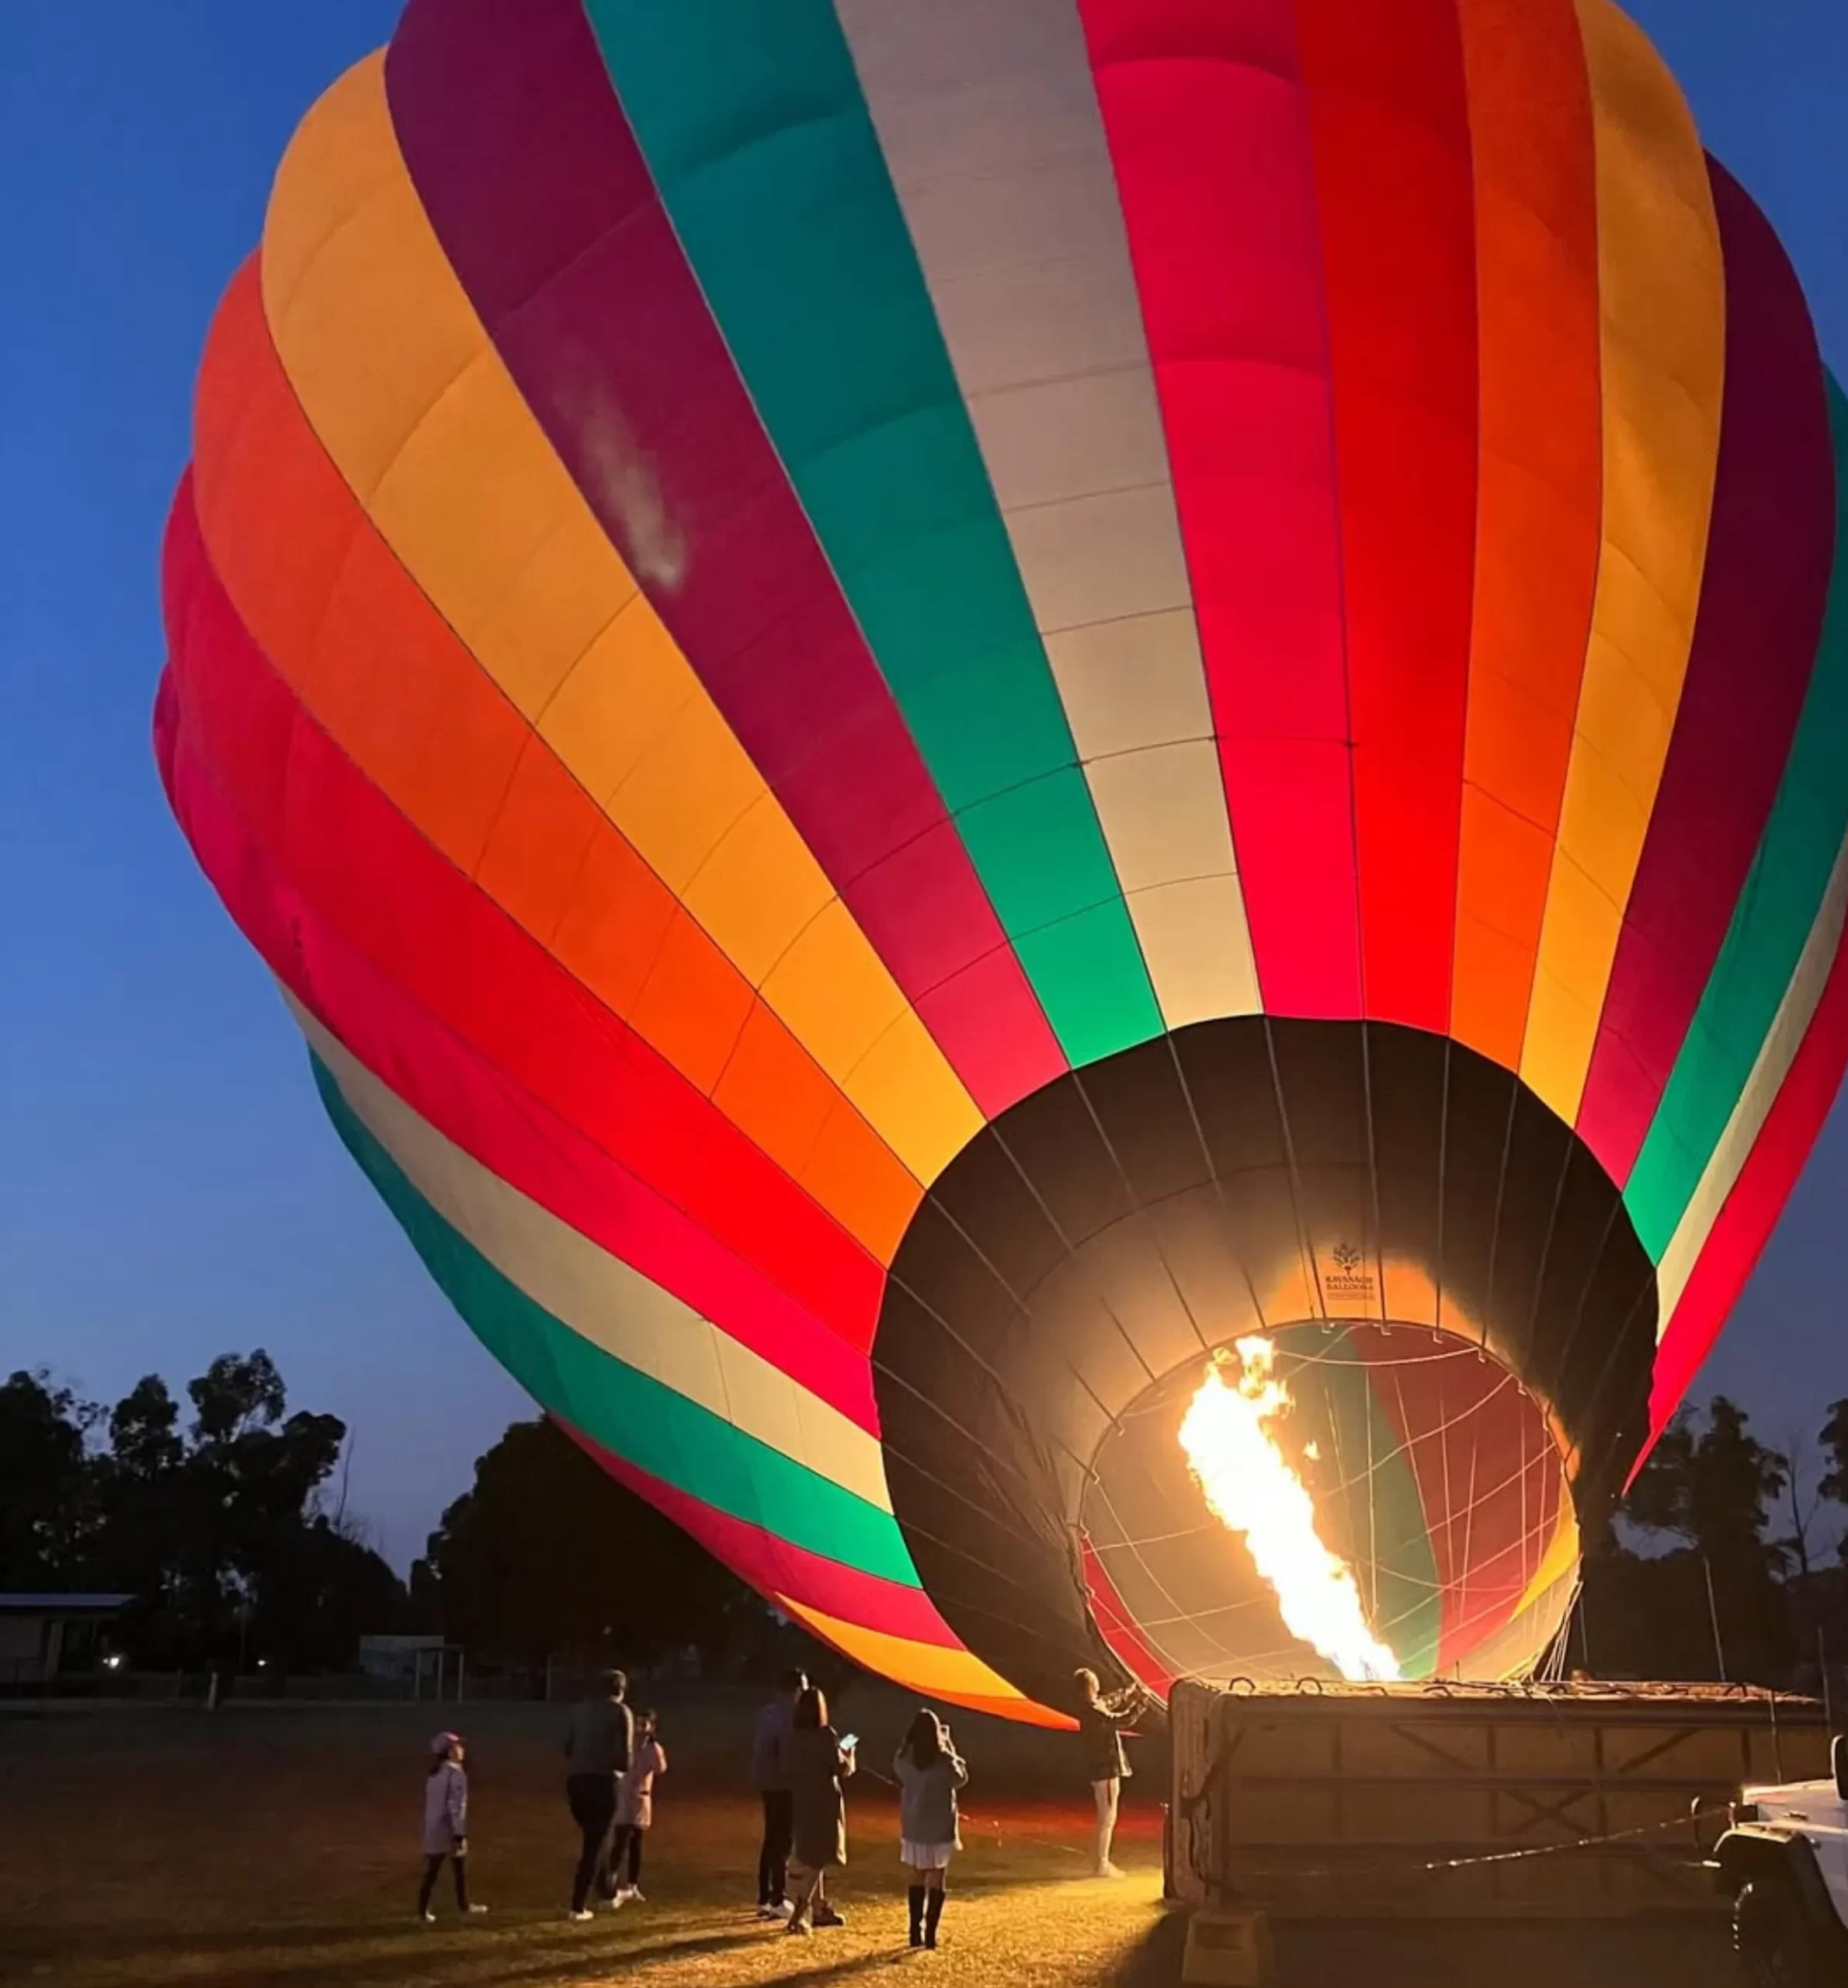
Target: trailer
1458, 1801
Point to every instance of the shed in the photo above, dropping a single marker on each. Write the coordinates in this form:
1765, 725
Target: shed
42, 1635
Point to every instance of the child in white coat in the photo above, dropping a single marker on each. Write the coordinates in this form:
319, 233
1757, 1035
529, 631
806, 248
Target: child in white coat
446, 1824
635, 1808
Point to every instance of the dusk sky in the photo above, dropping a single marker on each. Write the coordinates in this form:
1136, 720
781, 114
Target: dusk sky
173, 1190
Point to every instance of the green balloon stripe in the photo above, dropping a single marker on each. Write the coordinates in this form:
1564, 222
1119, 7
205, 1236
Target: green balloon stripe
629, 1412
1770, 924
750, 115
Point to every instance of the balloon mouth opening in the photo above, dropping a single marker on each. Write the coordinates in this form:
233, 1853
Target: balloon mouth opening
1358, 1501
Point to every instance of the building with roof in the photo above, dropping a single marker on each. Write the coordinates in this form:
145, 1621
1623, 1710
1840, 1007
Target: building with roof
45, 1636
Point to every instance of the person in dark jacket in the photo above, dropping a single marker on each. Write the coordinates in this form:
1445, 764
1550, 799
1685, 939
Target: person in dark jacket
770, 1776
1100, 1722
599, 1745
819, 1764
929, 1772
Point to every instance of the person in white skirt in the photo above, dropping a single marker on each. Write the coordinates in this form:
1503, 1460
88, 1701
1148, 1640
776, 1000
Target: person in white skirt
929, 1770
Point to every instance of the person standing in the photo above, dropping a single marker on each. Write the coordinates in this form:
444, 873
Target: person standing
929, 1772
1100, 1722
770, 1775
635, 1808
598, 1746
820, 1762
446, 1824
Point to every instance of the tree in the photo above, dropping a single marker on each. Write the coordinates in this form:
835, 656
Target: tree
44, 1500
1644, 1615
547, 1555
141, 1499
253, 1473
319, 1593
1834, 1441
215, 1528
1661, 1498
1710, 1483
204, 1525
1803, 1500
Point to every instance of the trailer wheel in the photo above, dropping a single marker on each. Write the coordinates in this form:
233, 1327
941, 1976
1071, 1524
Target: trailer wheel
1772, 1937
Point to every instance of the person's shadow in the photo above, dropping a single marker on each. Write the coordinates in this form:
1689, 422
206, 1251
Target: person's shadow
548, 1957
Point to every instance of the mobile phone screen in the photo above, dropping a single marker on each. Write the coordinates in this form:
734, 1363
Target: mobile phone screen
849, 1741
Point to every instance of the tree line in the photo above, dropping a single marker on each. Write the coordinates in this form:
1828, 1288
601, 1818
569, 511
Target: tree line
225, 1520
1713, 1565
214, 1517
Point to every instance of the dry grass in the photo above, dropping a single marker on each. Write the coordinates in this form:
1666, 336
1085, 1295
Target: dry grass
277, 1848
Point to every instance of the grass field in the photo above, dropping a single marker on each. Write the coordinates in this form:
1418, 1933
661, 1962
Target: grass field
276, 1847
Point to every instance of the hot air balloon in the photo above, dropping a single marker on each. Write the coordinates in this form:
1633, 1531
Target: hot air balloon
955, 719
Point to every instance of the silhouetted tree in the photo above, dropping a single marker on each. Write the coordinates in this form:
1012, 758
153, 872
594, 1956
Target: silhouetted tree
1711, 1484
1803, 1498
215, 1528
323, 1589
43, 1491
250, 1478
142, 1499
1834, 1442
546, 1555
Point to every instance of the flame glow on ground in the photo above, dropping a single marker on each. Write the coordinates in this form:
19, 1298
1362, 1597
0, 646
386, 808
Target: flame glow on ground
1251, 1490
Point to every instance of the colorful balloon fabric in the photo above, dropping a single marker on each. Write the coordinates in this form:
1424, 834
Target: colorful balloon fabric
929, 703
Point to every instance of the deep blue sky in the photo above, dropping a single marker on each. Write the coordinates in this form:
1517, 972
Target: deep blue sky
172, 1190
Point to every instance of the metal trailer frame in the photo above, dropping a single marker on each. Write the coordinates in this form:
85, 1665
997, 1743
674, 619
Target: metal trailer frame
1460, 1801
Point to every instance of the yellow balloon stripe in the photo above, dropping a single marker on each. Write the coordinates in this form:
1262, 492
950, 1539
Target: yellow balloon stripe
934, 1670
1662, 291
404, 389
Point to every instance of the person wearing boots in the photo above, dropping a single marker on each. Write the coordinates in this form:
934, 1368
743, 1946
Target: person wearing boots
821, 1761
929, 1772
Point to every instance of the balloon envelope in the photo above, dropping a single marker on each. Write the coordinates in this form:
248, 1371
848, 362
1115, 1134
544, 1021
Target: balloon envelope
928, 706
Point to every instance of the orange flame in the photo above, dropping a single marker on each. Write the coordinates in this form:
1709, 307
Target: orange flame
1251, 1490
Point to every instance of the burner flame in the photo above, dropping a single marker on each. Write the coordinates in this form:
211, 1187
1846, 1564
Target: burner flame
1251, 1490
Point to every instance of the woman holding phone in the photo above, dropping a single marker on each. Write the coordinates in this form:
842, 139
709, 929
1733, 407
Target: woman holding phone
820, 1762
